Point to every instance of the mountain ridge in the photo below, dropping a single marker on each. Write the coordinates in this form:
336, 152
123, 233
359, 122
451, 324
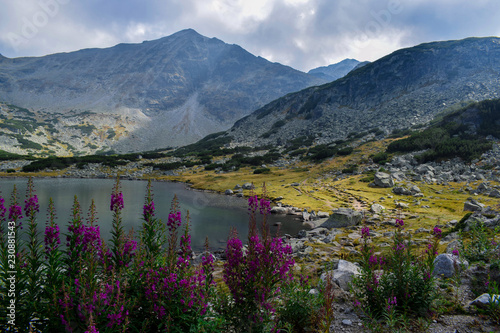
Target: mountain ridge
408, 87
196, 84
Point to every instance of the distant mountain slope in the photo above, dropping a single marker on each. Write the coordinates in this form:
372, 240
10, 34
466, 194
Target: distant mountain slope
171, 91
407, 87
334, 71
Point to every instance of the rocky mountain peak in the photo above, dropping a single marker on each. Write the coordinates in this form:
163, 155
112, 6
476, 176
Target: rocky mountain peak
406, 88
172, 91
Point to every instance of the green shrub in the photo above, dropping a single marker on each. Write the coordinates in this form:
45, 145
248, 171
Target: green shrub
261, 170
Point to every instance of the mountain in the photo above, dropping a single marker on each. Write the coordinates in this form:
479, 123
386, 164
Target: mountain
408, 87
159, 93
334, 71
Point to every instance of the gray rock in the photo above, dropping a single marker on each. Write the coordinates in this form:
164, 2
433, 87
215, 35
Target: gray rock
294, 184
248, 186
306, 216
302, 234
377, 208
343, 274
494, 194
473, 206
483, 188
228, 192
444, 265
383, 179
485, 299
322, 215
237, 186
343, 217
347, 322
239, 195
402, 205
401, 190
279, 210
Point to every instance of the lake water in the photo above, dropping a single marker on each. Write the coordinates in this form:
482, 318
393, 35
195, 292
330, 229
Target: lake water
211, 214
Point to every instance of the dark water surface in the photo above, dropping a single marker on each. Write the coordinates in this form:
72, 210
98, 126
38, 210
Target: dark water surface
211, 214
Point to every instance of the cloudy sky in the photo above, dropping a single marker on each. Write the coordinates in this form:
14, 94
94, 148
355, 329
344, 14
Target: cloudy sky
300, 33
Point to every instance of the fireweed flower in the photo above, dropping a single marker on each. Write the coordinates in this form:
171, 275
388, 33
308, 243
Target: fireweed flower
148, 210
365, 232
174, 221
51, 238
3, 210
253, 203
399, 223
455, 252
15, 212
116, 201
437, 232
264, 206
31, 205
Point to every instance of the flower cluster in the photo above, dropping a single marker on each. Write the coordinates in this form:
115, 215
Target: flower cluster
31, 205
51, 238
3, 210
174, 221
116, 202
365, 232
148, 210
15, 213
399, 223
437, 232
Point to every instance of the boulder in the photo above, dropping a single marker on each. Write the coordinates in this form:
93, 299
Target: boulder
444, 265
473, 206
294, 184
425, 169
494, 194
343, 274
377, 208
383, 179
279, 210
401, 190
322, 215
343, 217
483, 188
485, 299
228, 192
248, 186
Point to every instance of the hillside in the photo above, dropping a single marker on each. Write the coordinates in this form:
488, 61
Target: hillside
166, 92
406, 88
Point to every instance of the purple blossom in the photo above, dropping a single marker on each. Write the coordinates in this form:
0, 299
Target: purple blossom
51, 238
437, 232
264, 206
174, 221
455, 252
31, 205
253, 203
399, 223
365, 232
3, 210
116, 202
92, 329
148, 210
15, 213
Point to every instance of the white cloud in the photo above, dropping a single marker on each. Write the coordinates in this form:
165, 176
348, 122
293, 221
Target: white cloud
300, 33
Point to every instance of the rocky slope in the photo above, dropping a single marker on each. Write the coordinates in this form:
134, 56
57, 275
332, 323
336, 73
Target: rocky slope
335, 71
172, 91
405, 88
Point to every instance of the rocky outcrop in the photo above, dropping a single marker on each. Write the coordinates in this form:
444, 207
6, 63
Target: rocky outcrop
445, 265
383, 179
343, 217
